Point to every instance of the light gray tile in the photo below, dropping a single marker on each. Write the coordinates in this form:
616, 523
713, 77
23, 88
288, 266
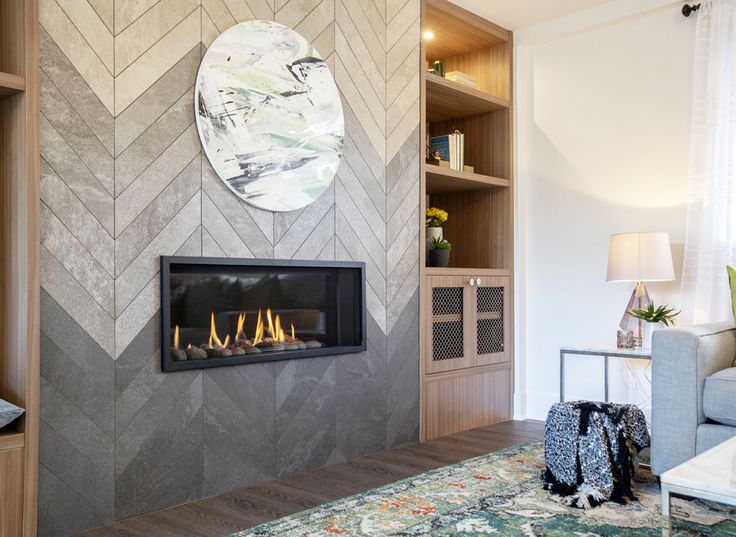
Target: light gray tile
76, 91
357, 252
70, 125
362, 141
135, 119
67, 165
319, 238
75, 258
371, 234
309, 218
154, 218
402, 160
153, 141
77, 218
237, 216
372, 204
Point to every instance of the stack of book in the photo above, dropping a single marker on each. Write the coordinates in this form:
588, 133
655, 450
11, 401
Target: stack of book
462, 78
451, 148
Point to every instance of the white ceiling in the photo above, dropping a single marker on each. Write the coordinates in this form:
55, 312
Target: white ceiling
515, 14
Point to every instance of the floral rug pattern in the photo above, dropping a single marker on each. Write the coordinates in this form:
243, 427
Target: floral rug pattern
496, 494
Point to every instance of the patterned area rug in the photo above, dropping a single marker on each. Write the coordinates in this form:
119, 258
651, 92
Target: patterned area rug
496, 494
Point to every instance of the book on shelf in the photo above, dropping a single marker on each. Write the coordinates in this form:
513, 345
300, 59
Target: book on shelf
451, 147
462, 78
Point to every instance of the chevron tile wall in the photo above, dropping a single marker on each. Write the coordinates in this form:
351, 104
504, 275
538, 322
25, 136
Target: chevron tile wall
124, 180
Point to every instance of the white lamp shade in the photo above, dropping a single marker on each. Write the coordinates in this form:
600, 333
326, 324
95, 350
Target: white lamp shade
640, 257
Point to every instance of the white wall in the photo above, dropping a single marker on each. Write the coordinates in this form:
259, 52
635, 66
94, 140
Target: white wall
603, 118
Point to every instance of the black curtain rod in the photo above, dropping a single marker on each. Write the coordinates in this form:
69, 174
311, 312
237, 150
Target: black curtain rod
687, 9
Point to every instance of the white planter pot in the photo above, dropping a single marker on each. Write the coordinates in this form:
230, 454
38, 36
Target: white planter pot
649, 328
432, 233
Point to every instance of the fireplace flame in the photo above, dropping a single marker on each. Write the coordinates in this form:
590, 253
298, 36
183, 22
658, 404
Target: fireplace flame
240, 334
176, 337
214, 341
259, 329
293, 332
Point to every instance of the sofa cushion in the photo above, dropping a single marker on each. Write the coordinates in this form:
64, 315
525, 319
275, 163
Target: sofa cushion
719, 397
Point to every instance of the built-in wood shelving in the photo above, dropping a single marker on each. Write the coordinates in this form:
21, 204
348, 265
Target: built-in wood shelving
11, 440
467, 343
444, 180
11, 84
447, 99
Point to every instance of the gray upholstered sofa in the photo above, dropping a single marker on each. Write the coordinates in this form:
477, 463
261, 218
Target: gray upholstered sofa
693, 392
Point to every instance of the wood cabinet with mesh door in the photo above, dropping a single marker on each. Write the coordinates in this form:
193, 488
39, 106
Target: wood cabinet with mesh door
468, 380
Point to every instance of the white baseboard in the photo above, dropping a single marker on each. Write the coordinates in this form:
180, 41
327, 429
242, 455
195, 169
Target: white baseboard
520, 406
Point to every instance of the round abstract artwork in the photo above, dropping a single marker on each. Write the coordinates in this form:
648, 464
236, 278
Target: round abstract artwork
269, 115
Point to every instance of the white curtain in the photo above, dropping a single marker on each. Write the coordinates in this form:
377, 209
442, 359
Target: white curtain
711, 217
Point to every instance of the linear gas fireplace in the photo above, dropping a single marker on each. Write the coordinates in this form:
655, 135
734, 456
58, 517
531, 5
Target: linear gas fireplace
221, 311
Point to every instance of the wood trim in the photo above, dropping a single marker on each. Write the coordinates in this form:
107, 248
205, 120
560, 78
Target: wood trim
468, 371
452, 271
11, 84
11, 492
11, 441
471, 22
444, 180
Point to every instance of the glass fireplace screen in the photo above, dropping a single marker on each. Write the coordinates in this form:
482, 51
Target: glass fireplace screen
217, 312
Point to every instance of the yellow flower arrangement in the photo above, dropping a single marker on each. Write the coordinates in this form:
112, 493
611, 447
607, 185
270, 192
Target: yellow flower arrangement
435, 217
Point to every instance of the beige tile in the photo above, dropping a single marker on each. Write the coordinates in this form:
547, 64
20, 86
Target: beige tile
402, 22
401, 75
317, 21
360, 109
156, 61
219, 14
91, 26
372, 98
105, 9
241, 11
403, 130
261, 9
324, 43
150, 27
394, 6
294, 11
371, 39
77, 50
209, 30
403, 46
126, 11
403, 103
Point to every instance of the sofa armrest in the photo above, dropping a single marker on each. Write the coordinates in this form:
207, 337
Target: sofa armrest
681, 360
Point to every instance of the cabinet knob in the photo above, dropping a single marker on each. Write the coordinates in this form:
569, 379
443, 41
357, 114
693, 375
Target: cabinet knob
472, 282
477, 281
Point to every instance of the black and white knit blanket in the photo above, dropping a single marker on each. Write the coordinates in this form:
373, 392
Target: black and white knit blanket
591, 451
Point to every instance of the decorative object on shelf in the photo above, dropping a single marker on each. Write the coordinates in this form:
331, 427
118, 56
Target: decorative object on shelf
269, 115
438, 68
639, 258
439, 253
434, 218
624, 339
434, 157
654, 318
9, 413
462, 78
451, 148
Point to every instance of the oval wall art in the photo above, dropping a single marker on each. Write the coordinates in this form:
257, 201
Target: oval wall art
269, 115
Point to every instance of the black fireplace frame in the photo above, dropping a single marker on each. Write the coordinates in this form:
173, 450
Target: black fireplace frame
211, 264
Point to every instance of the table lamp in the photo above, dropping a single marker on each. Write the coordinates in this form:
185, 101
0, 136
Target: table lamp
639, 258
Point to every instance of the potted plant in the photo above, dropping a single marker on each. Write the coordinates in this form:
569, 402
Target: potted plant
439, 254
433, 222
654, 318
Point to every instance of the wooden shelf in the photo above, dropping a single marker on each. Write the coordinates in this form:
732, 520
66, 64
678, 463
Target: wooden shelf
11, 84
11, 440
444, 180
449, 100
462, 271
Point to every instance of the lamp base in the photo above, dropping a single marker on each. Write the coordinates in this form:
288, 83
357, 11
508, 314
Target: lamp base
639, 300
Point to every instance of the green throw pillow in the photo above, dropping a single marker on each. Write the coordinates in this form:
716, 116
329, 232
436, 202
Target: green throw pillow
732, 282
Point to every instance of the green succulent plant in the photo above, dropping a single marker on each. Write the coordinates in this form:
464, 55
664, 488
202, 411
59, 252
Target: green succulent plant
440, 244
660, 314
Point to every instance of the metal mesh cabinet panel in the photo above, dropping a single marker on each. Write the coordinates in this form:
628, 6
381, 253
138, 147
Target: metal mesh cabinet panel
447, 326
490, 320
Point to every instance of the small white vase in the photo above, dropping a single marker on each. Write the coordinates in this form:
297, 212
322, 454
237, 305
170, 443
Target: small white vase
649, 328
432, 233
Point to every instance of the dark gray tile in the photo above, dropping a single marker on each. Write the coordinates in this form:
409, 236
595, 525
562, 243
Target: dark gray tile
306, 409
61, 510
166, 467
403, 376
138, 353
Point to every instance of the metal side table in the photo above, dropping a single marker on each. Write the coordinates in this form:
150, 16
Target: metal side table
605, 351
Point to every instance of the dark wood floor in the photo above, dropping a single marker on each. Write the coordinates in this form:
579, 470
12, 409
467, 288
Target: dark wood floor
244, 508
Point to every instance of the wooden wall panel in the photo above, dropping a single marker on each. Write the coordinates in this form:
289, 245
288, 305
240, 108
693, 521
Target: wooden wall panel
11, 492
